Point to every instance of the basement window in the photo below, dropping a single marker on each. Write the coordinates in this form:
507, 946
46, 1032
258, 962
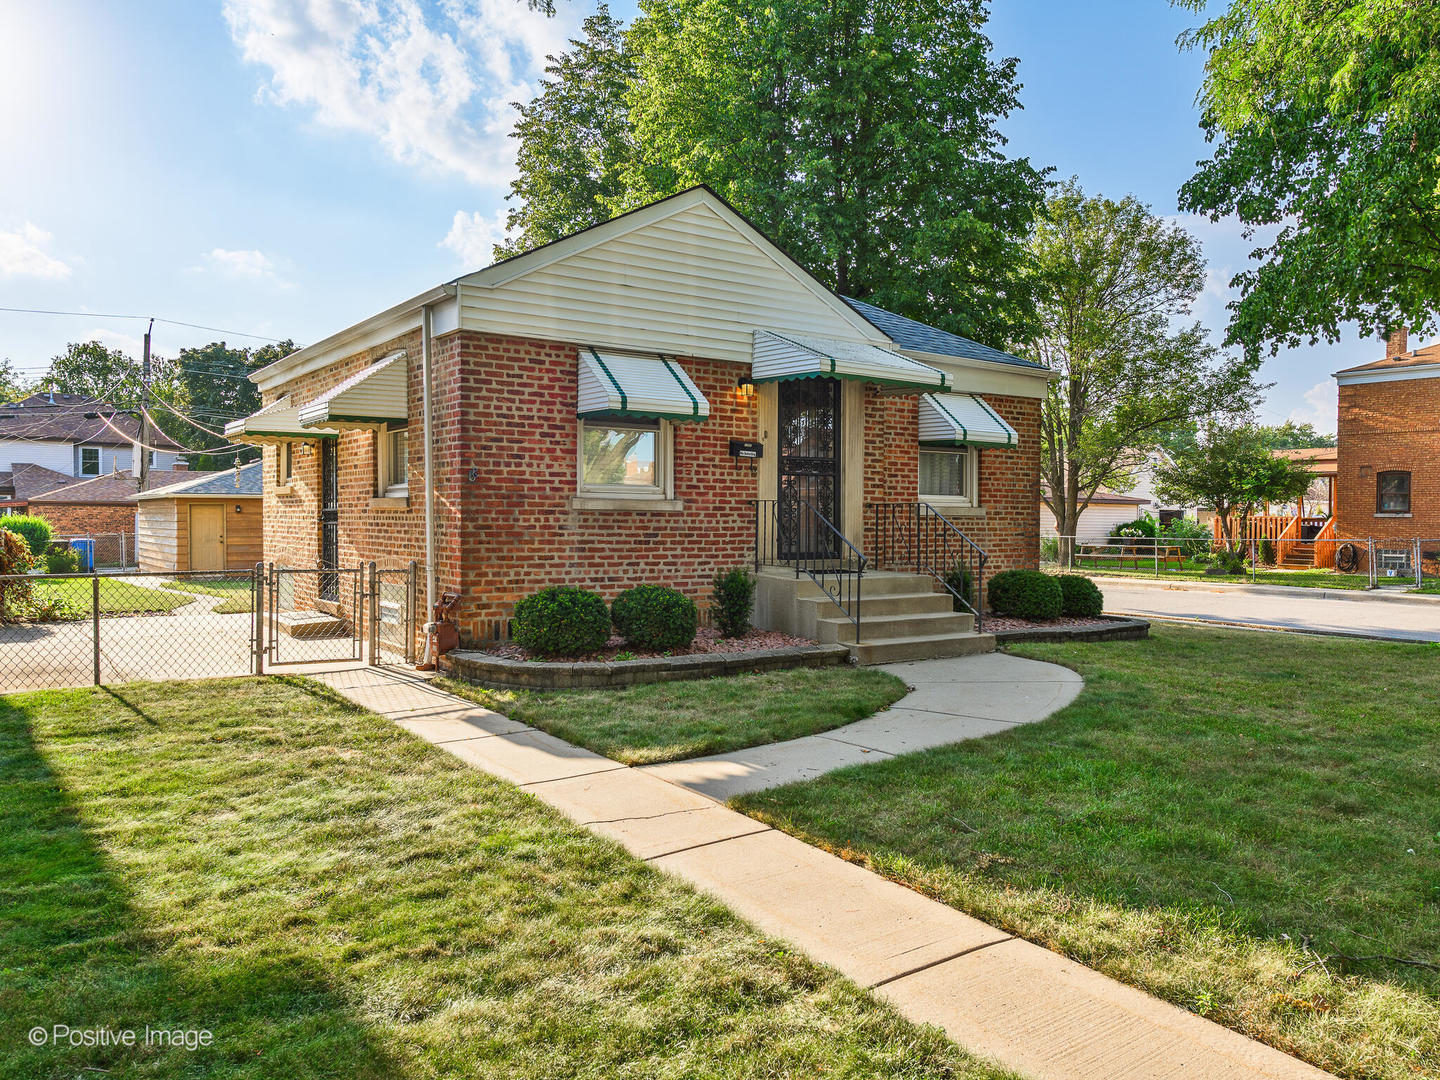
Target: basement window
1392, 492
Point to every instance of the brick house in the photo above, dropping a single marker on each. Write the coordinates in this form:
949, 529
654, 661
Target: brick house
1387, 482
634, 403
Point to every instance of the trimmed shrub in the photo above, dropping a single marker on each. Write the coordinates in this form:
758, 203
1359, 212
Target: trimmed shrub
561, 621
38, 532
959, 581
655, 617
1026, 594
732, 602
1267, 552
1079, 595
15, 558
1144, 525
62, 560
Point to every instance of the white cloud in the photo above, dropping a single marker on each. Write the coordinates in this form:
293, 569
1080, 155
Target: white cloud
248, 265
473, 237
434, 88
23, 254
1321, 407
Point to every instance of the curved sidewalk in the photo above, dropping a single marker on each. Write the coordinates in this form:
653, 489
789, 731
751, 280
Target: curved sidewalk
993, 993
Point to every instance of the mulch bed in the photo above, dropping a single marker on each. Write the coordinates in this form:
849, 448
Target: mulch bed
1002, 623
706, 641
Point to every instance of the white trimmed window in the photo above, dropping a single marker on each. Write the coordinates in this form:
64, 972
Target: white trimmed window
950, 476
624, 458
284, 464
394, 454
89, 461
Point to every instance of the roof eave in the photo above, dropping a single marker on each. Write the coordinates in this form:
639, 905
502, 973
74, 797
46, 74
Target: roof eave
1035, 371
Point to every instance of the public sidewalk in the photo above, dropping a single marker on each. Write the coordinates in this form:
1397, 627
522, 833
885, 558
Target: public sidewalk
994, 994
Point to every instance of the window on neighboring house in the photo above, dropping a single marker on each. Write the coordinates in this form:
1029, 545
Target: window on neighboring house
284, 464
622, 458
949, 475
89, 461
395, 461
1392, 493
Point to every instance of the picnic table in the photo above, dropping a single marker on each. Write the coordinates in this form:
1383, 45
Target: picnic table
1136, 554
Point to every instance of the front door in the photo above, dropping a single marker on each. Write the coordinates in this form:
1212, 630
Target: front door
329, 518
808, 485
207, 536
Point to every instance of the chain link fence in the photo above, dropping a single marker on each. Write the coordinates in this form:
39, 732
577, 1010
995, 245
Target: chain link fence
106, 551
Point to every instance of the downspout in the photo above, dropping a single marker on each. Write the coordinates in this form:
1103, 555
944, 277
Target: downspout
426, 381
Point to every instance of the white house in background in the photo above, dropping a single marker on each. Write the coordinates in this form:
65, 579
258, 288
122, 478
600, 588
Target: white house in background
74, 435
1098, 520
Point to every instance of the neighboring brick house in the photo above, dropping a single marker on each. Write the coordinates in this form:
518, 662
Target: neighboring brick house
596, 406
1387, 483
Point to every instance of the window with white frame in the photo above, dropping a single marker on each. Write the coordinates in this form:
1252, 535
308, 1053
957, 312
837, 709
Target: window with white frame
394, 446
284, 464
89, 461
950, 475
624, 457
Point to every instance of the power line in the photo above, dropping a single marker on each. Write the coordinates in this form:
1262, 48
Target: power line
170, 322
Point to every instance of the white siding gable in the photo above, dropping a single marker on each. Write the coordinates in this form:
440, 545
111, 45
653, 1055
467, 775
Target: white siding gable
59, 456
692, 283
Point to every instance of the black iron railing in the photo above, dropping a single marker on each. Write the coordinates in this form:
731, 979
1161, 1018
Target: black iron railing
793, 533
915, 536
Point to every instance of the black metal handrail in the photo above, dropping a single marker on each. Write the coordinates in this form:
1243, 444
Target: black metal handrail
902, 535
794, 533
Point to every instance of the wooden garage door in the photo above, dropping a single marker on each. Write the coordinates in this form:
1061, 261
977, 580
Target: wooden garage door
207, 536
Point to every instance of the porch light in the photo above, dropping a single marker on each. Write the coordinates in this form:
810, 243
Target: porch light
745, 387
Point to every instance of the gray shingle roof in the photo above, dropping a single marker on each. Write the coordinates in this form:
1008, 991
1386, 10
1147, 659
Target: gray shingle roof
909, 334
247, 480
64, 419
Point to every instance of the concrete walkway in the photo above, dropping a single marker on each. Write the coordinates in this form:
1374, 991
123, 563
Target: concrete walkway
1381, 616
993, 993
953, 699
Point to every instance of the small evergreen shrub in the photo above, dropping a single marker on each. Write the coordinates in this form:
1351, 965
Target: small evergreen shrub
1229, 562
655, 617
1080, 596
732, 602
37, 532
1267, 552
959, 581
62, 560
561, 621
1026, 594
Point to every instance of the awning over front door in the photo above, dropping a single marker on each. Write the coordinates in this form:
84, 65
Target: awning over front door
373, 396
962, 420
778, 357
276, 423
640, 387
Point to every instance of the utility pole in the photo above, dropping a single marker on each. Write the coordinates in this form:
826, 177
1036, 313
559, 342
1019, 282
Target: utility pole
143, 472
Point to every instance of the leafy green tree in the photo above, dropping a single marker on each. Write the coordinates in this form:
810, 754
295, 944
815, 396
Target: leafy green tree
214, 388
1293, 436
1232, 471
89, 368
861, 135
575, 141
1116, 281
1326, 119
13, 386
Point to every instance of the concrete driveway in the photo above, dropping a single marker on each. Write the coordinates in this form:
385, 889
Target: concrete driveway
1380, 614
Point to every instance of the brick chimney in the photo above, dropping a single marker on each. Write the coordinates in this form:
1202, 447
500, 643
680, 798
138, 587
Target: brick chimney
1397, 343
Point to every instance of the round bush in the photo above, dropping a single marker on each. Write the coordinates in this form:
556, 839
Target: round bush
561, 621
1080, 596
654, 617
732, 601
1026, 594
37, 532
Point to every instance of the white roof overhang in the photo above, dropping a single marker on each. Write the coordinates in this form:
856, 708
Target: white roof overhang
277, 422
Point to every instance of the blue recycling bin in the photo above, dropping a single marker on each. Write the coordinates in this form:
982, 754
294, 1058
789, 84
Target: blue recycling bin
86, 548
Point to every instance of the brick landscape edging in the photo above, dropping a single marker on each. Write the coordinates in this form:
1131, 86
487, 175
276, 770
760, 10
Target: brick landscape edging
504, 674
1119, 630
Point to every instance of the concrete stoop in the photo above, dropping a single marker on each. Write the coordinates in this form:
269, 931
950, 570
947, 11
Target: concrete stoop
902, 616
311, 624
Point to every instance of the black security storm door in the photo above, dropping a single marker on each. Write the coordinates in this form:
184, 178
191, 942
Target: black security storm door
809, 468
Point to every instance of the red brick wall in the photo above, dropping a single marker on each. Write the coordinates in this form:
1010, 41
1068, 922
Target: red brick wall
1384, 426
506, 461
76, 519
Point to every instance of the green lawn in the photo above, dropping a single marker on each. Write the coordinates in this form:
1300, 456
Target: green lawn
117, 596
641, 725
1431, 586
1246, 824
1310, 579
330, 897
236, 592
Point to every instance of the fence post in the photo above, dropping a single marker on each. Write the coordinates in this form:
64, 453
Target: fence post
257, 615
95, 619
372, 609
1155, 550
1419, 577
1254, 557
410, 620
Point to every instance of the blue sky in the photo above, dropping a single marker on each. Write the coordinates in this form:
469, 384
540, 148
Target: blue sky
286, 167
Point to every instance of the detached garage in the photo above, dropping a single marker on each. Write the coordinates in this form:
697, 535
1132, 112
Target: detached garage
213, 521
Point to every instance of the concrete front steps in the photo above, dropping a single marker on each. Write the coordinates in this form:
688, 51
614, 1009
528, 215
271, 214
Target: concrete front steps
902, 616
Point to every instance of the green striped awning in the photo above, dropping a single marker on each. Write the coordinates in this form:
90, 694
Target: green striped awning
638, 386
963, 420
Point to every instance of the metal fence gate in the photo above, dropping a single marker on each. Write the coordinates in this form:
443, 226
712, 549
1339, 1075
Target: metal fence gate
59, 630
